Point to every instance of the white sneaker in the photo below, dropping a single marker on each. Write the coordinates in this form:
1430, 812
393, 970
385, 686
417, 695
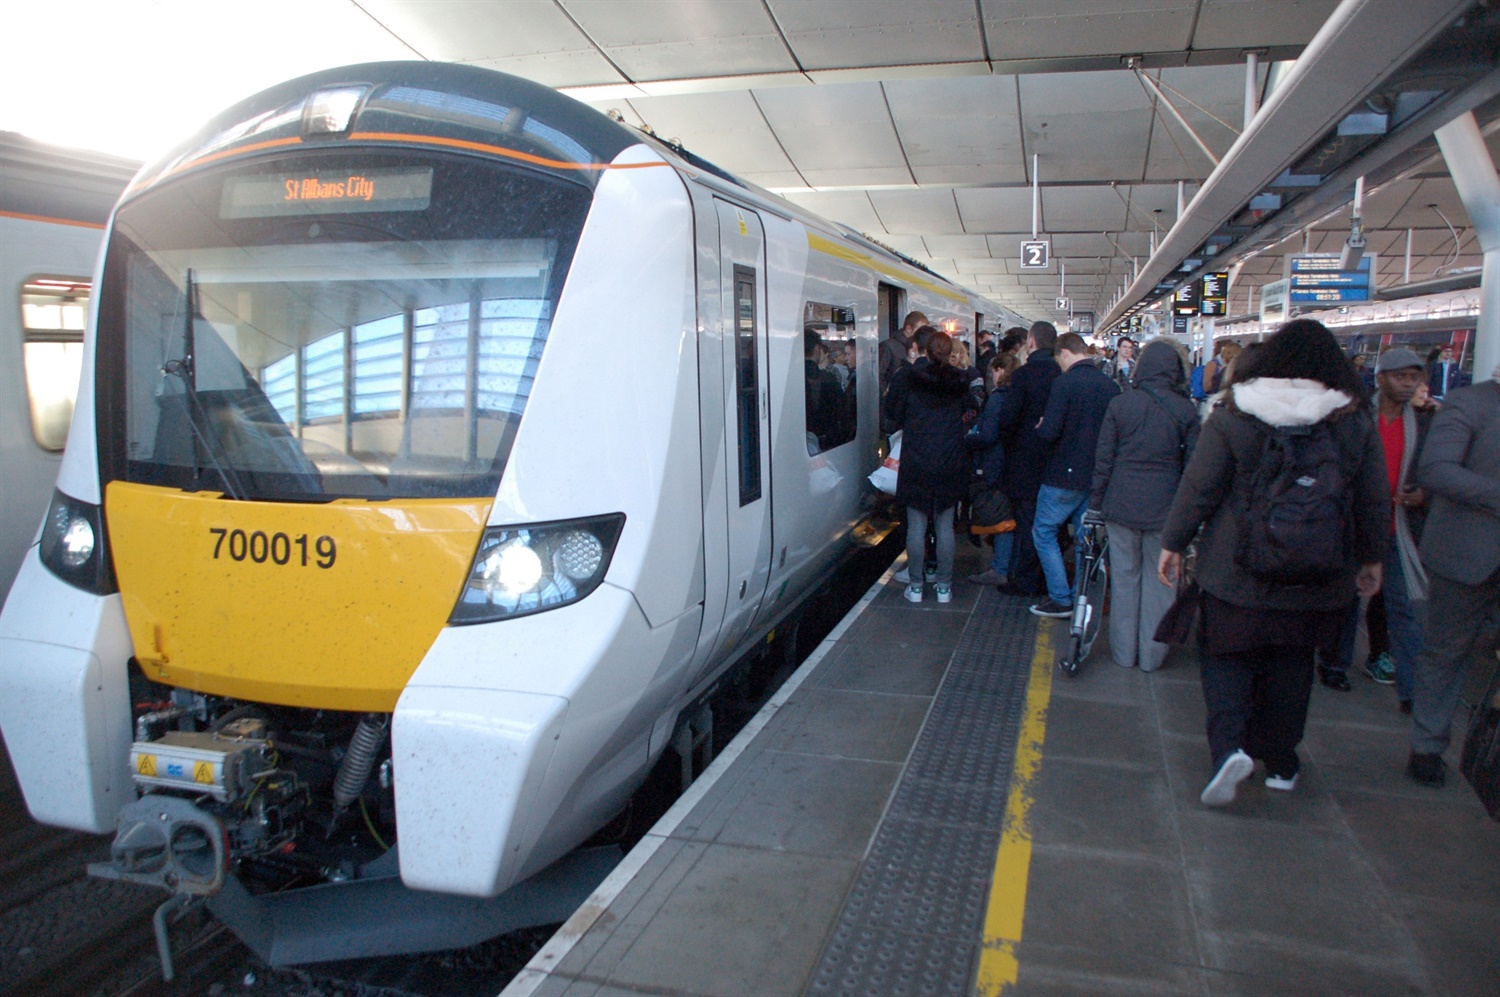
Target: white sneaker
944, 593
1285, 783
902, 576
914, 592
1221, 788
929, 573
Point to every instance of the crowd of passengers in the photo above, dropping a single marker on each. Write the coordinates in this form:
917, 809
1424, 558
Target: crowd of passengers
1310, 492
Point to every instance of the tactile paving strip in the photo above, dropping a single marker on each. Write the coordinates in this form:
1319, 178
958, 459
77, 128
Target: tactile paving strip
913, 919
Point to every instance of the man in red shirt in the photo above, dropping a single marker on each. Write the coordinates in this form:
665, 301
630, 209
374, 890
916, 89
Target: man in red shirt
1403, 429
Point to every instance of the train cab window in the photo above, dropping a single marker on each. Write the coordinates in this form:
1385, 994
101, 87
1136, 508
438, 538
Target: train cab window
747, 383
829, 365
53, 314
301, 349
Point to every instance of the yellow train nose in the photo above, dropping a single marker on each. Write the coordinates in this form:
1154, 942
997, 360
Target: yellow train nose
329, 605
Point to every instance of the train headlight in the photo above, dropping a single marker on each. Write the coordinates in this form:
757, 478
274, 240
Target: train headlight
72, 545
519, 570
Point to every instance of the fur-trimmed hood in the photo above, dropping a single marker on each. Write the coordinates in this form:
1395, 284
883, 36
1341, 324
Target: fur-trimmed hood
1283, 401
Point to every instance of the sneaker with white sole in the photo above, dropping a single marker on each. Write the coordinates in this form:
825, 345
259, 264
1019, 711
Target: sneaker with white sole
914, 592
1285, 783
944, 593
903, 576
1221, 788
1053, 609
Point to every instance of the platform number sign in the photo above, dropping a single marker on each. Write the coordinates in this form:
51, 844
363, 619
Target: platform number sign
1064, 305
1035, 254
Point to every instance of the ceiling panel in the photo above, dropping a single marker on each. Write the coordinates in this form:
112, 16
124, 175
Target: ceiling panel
1220, 91
959, 129
1246, 24
1086, 126
981, 264
917, 212
1025, 29
956, 245
1082, 209
673, 39
851, 207
727, 128
838, 35
536, 40
836, 134
995, 209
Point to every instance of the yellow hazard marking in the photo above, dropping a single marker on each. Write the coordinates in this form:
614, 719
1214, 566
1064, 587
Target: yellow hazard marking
203, 772
146, 765
998, 964
744, 229
843, 251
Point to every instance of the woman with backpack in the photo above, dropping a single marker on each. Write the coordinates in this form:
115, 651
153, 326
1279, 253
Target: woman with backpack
1144, 443
1288, 482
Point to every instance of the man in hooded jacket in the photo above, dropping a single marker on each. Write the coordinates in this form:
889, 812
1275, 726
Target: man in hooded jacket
1145, 442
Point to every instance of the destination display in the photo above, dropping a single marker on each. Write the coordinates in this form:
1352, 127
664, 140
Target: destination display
1185, 300
1213, 293
277, 194
1317, 280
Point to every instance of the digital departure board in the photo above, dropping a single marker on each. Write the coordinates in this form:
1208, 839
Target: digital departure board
1185, 300
1213, 297
1317, 280
305, 193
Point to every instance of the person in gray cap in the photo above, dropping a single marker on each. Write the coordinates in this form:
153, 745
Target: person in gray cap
1403, 431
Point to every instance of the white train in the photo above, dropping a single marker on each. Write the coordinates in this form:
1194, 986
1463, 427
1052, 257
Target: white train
53, 206
440, 442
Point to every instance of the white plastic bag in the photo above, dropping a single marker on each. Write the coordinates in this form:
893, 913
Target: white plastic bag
884, 476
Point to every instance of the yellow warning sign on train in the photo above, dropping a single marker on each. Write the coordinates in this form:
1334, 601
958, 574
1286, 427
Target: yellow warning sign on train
146, 765
203, 772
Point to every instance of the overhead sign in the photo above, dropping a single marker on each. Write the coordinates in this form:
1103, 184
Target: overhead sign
1273, 302
1317, 280
1063, 304
1213, 294
1036, 254
1185, 300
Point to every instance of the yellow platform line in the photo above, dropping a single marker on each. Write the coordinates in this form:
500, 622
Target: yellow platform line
998, 964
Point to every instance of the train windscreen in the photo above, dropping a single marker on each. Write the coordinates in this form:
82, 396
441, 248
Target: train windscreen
330, 325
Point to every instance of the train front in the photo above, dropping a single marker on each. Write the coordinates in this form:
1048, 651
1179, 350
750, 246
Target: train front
359, 579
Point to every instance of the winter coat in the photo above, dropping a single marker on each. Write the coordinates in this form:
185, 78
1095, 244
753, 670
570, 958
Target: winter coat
987, 441
1026, 452
926, 402
1146, 440
1460, 469
1075, 411
892, 355
1216, 486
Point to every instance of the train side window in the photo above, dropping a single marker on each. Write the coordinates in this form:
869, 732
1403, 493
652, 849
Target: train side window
54, 311
830, 366
747, 383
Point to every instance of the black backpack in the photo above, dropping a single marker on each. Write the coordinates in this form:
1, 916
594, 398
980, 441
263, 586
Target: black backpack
1297, 524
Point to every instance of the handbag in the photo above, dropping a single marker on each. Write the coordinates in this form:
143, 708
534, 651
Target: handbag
989, 511
1176, 626
1480, 760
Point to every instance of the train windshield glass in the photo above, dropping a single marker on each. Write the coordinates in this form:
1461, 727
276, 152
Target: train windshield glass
379, 351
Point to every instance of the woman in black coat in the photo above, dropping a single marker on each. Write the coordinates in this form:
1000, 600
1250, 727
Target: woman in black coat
1258, 634
926, 402
1146, 439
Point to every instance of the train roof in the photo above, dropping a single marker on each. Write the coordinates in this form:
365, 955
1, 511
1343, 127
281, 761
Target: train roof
52, 182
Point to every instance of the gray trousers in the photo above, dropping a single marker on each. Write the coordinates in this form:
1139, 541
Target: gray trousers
1455, 613
1137, 598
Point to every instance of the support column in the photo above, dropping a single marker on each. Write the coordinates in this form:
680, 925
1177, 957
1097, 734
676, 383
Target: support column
1473, 174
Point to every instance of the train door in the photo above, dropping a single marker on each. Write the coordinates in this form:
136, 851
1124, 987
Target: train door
747, 436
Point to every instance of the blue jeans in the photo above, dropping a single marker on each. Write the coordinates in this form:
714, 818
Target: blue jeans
1054, 507
1004, 547
1402, 624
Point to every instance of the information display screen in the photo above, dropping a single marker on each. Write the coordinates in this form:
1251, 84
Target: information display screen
306, 193
1185, 300
1317, 280
1214, 294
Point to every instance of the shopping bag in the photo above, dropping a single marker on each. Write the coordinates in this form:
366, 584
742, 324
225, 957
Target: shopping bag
884, 476
1176, 626
989, 512
1480, 761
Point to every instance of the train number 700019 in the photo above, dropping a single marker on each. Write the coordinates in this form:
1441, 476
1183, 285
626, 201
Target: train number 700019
278, 548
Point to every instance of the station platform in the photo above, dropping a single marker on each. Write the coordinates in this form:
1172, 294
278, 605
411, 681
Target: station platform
929, 806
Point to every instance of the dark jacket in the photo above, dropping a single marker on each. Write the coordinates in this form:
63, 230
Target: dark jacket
1026, 452
926, 402
1460, 468
987, 441
1215, 490
1440, 381
1075, 411
892, 358
1145, 442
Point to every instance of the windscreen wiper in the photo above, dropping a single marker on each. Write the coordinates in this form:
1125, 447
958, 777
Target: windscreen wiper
184, 370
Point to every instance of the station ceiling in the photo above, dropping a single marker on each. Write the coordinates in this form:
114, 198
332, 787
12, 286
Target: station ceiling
916, 121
